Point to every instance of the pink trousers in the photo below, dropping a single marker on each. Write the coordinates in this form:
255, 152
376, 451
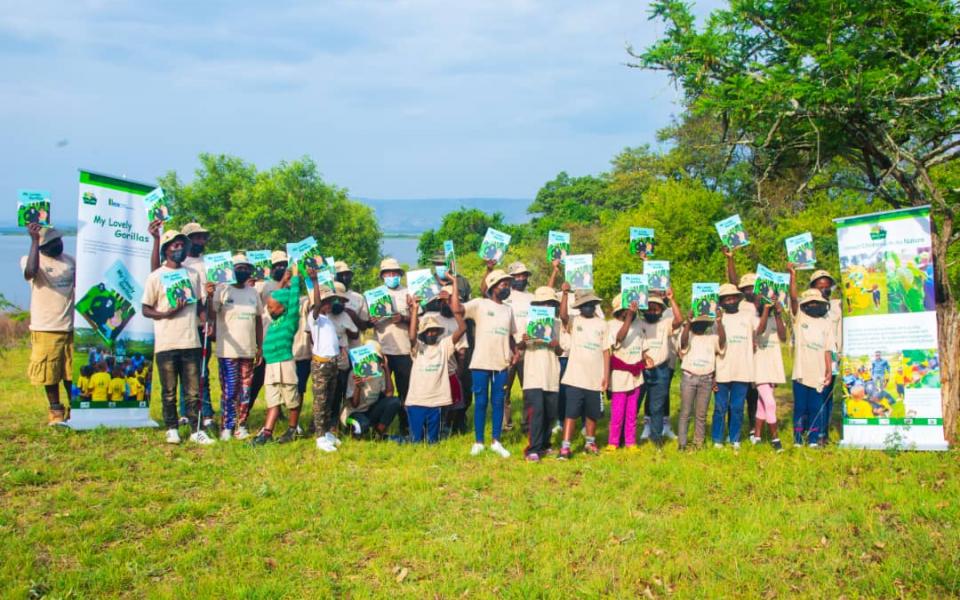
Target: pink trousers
623, 416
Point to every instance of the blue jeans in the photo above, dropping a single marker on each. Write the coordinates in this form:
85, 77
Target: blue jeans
424, 417
656, 383
729, 399
807, 413
492, 386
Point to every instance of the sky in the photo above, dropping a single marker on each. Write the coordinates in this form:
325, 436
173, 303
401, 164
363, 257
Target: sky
405, 99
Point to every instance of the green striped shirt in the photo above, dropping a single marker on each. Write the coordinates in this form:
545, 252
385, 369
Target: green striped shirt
278, 345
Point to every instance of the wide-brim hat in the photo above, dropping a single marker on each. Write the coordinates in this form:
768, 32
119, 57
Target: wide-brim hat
728, 289
703, 319
390, 264
494, 277
517, 268
581, 297
240, 259
819, 273
811, 295
427, 323
654, 299
342, 267
278, 256
169, 237
747, 280
49, 234
192, 228
544, 294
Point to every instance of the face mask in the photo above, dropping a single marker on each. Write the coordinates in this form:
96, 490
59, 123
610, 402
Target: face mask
345, 278
196, 249
276, 315
242, 276
441, 271
392, 281
277, 273
519, 284
446, 311
503, 293
749, 296
730, 307
178, 256
815, 309
650, 317
826, 292
430, 338
435, 306
588, 310
699, 328
52, 249
337, 308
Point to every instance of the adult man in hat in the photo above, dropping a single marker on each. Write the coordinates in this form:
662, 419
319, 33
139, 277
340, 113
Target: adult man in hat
52, 275
176, 339
392, 332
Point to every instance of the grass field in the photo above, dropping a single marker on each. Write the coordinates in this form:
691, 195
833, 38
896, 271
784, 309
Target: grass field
119, 513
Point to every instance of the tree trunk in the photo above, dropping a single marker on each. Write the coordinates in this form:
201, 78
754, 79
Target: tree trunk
948, 328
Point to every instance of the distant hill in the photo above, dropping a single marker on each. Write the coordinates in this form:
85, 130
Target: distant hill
420, 214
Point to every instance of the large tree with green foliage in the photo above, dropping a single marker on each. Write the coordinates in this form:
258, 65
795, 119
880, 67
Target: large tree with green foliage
247, 209
803, 85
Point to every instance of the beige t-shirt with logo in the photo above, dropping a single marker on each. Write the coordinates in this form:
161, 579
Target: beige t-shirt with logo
588, 339
812, 337
429, 380
302, 346
237, 310
520, 304
394, 339
630, 350
358, 304
541, 365
494, 326
700, 356
449, 325
52, 293
659, 337
180, 332
736, 363
768, 359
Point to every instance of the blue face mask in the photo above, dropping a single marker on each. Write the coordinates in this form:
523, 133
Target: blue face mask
441, 271
392, 281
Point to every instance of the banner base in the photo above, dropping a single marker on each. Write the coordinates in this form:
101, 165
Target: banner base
126, 418
910, 446
894, 437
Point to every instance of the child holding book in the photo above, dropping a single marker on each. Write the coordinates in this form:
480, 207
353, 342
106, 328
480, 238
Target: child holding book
371, 404
429, 377
813, 342
587, 373
628, 359
699, 347
541, 380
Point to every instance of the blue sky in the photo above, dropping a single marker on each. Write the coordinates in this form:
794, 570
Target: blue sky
415, 98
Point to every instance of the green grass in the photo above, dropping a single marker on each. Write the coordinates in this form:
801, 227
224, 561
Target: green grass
119, 513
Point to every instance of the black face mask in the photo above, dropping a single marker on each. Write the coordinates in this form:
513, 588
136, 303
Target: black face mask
345, 278
650, 317
699, 328
242, 276
52, 249
749, 296
446, 311
815, 309
730, 308
434, 306
178, 256
503, 293
588, 310
826, 293
519, 284
337, 308
196, 249
277, 273
430, 338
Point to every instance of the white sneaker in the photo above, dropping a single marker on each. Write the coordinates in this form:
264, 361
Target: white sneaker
332, 439
226, 435
557, 429
499, 449
207, 423
326, 445
201, 438
476, 449
645, 434
754, 439
184, 421
173, 436
736, 445
241, 433
667, 432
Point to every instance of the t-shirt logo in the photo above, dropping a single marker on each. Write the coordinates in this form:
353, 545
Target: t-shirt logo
490, 313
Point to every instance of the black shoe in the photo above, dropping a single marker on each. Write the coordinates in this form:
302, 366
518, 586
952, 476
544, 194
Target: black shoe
288, 436
777, 445
261, 439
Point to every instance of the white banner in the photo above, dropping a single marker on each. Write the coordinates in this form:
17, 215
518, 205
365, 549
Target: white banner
890, 367
113, 343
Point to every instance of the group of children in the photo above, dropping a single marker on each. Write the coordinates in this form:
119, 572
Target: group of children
107, 380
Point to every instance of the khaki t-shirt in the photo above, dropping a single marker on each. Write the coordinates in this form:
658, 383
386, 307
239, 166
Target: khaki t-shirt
736, 363
237, 310
52, 293
812, 337
429, 380
659, 337
358, 304
768, 359
585, 366
394, 339
835, 316
449, 325
494, 326
195, 264
541, 365
302, 348
180, 332
700, 356
630, 350
520, 304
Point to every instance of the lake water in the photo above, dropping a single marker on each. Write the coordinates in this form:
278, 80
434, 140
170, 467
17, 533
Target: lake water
15, 288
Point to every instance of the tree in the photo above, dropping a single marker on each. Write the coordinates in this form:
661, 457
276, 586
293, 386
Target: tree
804, 85
246, 209
566, 200
466, 227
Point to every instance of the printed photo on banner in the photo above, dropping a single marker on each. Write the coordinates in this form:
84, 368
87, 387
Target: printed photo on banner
641, 241
658, 274
578, 271
704, 299
33, 206
558, 246
800, 251
634, 287
732, 233
494, 245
